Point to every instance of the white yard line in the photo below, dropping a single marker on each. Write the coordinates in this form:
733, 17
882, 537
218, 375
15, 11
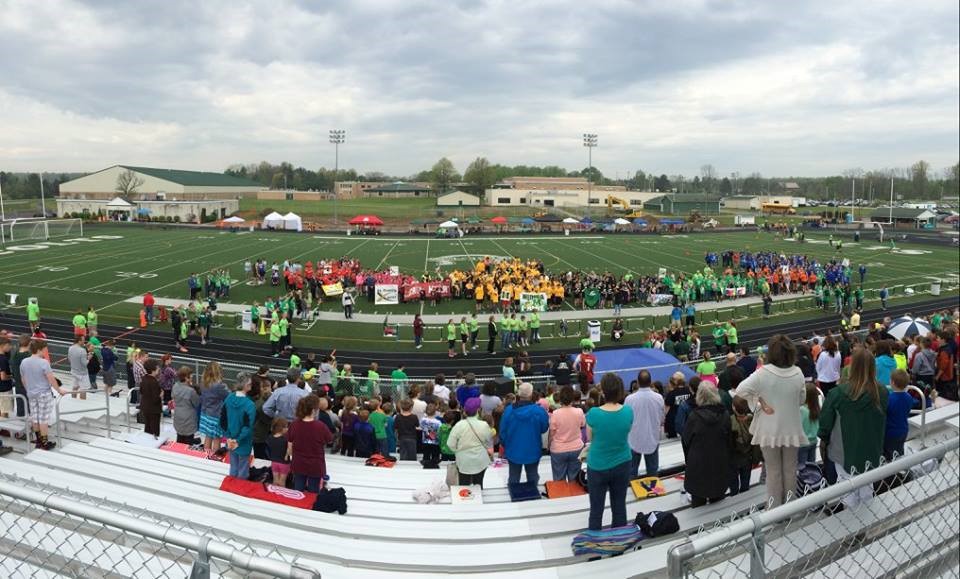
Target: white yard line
469, 238
384, 260
426, 257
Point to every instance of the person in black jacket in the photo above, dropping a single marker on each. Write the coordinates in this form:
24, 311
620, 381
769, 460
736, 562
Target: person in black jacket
151, 398
706, 446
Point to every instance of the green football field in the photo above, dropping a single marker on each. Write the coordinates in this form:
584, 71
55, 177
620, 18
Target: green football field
115, 264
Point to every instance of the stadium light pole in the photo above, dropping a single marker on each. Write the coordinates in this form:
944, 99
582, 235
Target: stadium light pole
43, 201
3, 214
337, 136
589, 141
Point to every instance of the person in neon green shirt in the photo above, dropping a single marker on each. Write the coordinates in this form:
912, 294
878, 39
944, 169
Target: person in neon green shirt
464, 333
474, 331
373, 379
719, 337
91, 321
284, 325
33, 315
275, 337
535, 327
708, 367
79, 324
732, 339
294, 361
522, 326
451, 338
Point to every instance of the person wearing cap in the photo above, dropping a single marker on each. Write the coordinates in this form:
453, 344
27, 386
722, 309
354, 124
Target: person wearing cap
471, 440
283, 401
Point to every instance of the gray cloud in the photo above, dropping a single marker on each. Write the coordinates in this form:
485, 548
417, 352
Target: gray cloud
781, 88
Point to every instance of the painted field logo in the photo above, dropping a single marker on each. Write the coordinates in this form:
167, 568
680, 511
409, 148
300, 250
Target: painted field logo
470, 260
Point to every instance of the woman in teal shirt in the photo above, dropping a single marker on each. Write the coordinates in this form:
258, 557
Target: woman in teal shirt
608, 460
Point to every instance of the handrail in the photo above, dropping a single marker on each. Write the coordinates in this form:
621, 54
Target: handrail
203, 546
26, 417
126, 415
923, 414
700, 544
72, 394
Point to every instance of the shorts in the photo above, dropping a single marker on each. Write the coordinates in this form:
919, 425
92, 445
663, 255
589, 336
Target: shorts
451, 344
79, 331
463, 338
81, 382
280, 467
41, 408
110, 377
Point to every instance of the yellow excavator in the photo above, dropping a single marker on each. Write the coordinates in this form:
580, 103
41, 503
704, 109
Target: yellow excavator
610, 202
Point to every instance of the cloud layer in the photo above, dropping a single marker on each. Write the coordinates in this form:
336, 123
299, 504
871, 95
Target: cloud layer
782, 88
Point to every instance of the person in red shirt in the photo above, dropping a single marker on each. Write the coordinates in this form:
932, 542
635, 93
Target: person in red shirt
418, 330
148, 303
584, 365
306, 440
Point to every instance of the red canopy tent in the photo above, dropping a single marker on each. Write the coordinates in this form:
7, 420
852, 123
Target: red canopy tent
499, 220
372, 220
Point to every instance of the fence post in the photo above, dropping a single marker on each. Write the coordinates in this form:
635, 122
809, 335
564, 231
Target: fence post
756, 549
106, 396
201, 565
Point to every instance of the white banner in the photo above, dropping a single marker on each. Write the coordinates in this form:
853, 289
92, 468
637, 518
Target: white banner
386, 294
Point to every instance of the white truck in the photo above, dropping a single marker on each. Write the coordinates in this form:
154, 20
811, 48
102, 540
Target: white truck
744, 220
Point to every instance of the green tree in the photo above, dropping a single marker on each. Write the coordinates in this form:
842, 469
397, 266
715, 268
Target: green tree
662, 184
726, 187
480, 175
442, 175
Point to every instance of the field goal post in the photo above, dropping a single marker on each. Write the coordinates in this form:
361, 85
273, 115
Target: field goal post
42, 229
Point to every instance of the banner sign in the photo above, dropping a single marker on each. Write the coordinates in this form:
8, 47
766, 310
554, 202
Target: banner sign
334, 289
660, 299
533, 302
386, 294
439, 289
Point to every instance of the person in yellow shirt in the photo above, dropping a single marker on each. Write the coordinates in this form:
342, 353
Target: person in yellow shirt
478, 296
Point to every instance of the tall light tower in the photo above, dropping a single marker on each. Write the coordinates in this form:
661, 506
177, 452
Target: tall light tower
589, 141
337, 136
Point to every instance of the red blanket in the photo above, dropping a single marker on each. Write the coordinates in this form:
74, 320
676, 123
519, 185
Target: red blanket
268, 492
181, 448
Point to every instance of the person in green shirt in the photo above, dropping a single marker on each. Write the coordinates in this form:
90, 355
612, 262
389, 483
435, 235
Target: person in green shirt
275, 338
184, 330
373, 379
398, 379
474, 331
732, 339
294, 360
451, 339
33, 315
284, 325
79, 324
719, 338
91, 321
535, 327
464, 335
707, 367
522, 326
378, 420
255, 317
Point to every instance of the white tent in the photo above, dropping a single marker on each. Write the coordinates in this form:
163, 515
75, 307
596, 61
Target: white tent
621, 221
273, 221
292, 222
234, 219
449, 225
571, 221
118, 203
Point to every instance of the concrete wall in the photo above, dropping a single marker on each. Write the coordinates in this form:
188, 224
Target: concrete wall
186, 210
564, 198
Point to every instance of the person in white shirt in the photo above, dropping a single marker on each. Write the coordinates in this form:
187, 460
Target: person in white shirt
346, 300
828, 366
648, 413
439, 389
419, 406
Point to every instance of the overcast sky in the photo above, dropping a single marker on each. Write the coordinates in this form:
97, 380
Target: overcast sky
784, 88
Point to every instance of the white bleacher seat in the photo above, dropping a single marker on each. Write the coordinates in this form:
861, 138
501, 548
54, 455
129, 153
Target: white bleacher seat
935, 417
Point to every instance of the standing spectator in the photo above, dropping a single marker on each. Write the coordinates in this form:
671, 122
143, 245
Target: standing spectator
108, 366
440, 389
728, 380
6, 381
521, 428
418, 407
810, 420
743, 453
212, 394
677, 394
78, 357
19, 387
241, 414
648, 414
946, 378
489, 401
471, 440
167, 377
924, 364
418, 330
468, 389
151, 398
260, 391
707, 369
884, 361
608, 460
747, 362
899, 404
706, 446
283, 402
861, 406
307, 439
148, 303
186, 406
562, 370
40, 384
828, 366
566, 442
684, 410
407, 426
491, 335
776, 390
346, 300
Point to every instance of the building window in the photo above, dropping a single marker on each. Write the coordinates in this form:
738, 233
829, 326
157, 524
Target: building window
416, 193
594, 201
523, 200
380, 193
636, 202
548, 202
503, 200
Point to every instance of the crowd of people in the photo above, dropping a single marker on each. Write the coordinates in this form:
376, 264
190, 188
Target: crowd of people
775, 407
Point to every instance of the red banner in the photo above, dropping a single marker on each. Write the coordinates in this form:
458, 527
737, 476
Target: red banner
411, 292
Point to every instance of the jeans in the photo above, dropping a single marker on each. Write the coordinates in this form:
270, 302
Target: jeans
599, 482
806, 454
148, 310
408, 448
565, 465
240, 465
471, 479
383, 447
533, 472
652, 461
304, 482
417, 340
740, 480
505, 341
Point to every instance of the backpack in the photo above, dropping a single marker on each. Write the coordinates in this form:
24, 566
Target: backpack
613, 541
810, 479
331, 501
657, 523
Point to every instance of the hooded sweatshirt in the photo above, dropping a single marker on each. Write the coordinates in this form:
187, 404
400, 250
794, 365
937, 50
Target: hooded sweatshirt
521, 428
707, 444
241, 414
860, 440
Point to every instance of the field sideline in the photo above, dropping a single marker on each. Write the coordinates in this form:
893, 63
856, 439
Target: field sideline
127, 260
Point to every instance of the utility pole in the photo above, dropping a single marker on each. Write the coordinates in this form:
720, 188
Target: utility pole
43, 202
3, 214
589, 141
890, 215
337, 136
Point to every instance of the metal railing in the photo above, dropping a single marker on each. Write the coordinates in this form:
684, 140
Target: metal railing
19, 402
58, 428
131, 405
902, 514
46, 533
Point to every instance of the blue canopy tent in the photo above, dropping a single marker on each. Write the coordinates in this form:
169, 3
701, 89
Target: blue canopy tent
669, 221
660, 364
143, 211
586, 221
527, 221
640, 222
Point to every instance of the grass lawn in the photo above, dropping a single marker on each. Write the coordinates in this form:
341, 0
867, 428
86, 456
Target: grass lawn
127, 260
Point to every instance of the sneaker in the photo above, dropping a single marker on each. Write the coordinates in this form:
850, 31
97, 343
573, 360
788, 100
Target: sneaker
5, 433
50, 445
419, 346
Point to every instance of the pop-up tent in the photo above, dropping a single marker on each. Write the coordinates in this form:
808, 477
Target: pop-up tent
234, 219
292, 222
273, 221
449, 225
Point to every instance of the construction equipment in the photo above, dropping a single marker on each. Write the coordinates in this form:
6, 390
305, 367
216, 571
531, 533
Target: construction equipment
611, 200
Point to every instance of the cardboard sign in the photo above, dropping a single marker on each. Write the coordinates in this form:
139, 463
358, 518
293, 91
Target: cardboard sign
386, 294
466, 495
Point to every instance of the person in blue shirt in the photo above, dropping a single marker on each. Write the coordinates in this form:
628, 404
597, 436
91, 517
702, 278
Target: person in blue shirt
691, 313
521, 430
899, 405
863, 272
675, 315
885, 362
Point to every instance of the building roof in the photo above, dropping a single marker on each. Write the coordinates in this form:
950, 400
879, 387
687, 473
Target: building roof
398, 187
455, 197
741, 196
901, 213
790, 185
658, 200
694, 198
195, 178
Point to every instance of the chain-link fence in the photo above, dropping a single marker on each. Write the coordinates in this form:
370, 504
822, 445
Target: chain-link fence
69, 535
899, 519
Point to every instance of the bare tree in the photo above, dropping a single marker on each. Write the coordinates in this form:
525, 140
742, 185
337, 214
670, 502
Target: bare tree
708, 175
919, 172
128, 182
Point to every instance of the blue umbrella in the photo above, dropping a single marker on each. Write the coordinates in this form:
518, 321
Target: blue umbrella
528, 221
907, 326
